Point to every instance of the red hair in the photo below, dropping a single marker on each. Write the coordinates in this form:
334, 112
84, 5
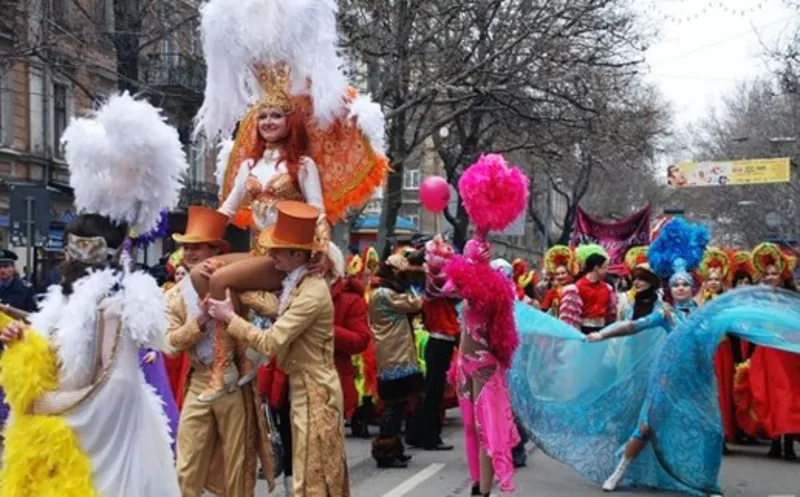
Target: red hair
294, 147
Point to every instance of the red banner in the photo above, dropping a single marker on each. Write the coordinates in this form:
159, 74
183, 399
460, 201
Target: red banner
615, 236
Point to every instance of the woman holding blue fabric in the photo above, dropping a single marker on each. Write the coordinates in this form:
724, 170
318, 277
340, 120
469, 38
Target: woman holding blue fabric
648, 312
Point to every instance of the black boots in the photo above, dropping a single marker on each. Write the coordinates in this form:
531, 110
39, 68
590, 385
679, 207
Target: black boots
783, 447
476, 490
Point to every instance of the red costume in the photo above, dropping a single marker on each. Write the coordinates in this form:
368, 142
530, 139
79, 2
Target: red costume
588, 306
768, 391
352, 335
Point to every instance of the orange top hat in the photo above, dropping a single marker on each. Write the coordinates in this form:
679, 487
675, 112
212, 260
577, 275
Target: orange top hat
204, 225
296, 228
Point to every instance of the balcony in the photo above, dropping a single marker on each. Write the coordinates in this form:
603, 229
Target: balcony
198, 193
174, 73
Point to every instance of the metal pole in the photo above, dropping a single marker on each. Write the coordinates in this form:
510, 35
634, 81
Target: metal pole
29, 242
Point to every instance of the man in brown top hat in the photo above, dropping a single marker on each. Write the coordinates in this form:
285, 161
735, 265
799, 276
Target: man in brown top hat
301, 339
218, 444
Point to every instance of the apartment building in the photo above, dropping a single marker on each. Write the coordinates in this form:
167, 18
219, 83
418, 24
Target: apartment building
61, 58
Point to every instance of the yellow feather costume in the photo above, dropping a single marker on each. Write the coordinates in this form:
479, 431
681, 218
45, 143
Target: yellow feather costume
42, 455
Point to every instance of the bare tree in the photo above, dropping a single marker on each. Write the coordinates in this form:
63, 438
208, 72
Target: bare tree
420, 58
548, 82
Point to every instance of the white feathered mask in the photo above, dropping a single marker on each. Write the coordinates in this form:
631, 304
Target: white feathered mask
125, 162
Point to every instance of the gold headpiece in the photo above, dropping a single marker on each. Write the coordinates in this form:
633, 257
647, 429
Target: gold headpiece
275, 82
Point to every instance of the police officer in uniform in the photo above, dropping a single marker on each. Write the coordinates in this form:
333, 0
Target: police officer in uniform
14, 291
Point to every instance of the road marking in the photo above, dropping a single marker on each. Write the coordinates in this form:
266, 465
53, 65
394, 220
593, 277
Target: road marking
415, 481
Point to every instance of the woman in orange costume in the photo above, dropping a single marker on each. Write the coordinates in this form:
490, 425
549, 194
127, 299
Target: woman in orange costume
715, 270
562, 266
302, 135
768, 387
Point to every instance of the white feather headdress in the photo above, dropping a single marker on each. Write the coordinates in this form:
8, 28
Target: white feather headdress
125, 162
240, 33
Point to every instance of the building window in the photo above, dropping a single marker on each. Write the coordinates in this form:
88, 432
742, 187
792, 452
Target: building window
411, 179
414, 218
197, 160
60, 115
6, 102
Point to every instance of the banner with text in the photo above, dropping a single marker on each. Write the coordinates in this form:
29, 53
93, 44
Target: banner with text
739, 172
615, 236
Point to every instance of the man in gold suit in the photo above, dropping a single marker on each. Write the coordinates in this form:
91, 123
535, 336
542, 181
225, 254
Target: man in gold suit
219, 444
301, 340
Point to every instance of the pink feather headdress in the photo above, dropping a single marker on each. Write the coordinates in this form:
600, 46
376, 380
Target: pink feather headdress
494, 195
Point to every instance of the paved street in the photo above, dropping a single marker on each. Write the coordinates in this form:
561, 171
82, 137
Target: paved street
746, 473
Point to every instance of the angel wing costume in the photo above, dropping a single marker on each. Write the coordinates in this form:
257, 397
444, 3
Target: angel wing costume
85, 421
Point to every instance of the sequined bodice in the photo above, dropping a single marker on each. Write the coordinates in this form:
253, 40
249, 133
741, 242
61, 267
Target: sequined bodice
263, 197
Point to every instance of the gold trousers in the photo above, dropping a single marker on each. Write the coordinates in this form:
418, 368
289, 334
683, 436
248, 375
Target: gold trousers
212, 444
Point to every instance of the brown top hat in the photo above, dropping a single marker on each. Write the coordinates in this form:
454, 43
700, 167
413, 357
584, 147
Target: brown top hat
204, 225
296, 228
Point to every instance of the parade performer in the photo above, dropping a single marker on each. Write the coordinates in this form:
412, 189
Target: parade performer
771, 406
585, 419
229, 435
494, 196
85, 421
635, 257
399, 376
303, 135
352, 334
441, 321
562, 267
742, 268
302, 341
590, 303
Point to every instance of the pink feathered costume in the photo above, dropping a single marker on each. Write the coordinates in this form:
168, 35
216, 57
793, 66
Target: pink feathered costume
494, 196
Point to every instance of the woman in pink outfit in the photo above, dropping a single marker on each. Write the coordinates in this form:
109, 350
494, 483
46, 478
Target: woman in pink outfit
489, 336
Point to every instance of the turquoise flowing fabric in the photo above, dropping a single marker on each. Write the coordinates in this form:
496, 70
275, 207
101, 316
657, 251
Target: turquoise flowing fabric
582, 401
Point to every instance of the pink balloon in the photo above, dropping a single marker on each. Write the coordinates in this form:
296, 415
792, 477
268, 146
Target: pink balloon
434, 194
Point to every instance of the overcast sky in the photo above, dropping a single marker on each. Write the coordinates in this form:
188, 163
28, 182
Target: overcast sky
708, 45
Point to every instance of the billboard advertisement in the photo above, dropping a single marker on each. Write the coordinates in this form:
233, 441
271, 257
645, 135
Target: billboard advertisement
720, 173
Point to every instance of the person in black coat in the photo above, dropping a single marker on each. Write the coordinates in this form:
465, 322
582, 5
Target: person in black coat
14, 291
